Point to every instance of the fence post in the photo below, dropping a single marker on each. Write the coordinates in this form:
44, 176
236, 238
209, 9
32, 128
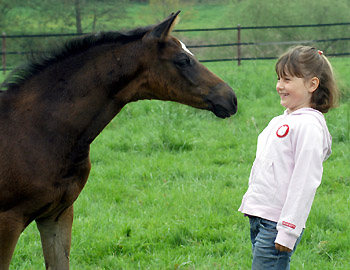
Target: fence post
3, 52
239, 44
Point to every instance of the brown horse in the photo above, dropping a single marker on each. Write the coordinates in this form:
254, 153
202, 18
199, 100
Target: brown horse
53, 109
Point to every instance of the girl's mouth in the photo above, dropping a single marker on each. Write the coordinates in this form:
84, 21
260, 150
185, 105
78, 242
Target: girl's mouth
283, 94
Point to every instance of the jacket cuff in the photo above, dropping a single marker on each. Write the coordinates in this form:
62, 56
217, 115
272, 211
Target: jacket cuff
286, 239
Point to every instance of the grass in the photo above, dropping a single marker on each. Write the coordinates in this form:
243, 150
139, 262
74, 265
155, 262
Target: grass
167, 180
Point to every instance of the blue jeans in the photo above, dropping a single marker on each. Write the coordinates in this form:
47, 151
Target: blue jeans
265, 256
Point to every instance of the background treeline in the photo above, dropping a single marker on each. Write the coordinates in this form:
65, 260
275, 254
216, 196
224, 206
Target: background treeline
83, 16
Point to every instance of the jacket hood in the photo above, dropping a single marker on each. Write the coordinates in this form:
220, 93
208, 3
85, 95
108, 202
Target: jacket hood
320, 118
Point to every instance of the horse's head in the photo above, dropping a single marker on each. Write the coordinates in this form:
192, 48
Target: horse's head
174, 74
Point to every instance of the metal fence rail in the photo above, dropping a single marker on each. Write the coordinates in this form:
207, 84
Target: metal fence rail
237, 44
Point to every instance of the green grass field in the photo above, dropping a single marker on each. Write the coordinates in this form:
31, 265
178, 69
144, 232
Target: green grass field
167, 180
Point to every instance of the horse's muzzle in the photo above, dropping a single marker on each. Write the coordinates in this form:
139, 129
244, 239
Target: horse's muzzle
222, 101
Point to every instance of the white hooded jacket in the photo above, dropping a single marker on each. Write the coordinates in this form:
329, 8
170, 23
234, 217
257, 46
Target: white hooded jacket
287, 171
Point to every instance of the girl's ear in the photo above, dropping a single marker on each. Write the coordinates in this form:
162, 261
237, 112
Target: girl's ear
313, 84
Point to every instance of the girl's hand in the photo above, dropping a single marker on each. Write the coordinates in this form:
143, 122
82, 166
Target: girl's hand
282, 248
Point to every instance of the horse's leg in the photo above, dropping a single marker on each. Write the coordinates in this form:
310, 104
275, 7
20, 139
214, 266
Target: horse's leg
55, 233
11, 227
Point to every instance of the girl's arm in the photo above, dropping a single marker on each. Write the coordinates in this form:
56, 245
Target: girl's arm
307, 143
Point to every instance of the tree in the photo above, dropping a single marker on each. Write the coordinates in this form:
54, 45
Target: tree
65, 15
77, 16
5, 7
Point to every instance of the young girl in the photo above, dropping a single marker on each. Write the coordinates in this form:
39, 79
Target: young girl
290, 152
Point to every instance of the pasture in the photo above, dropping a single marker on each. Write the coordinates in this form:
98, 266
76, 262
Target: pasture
167, 180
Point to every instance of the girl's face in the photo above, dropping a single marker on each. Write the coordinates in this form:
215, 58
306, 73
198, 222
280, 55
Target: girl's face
295, 93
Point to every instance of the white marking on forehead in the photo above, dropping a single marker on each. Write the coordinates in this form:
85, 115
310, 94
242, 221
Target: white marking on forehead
185, 48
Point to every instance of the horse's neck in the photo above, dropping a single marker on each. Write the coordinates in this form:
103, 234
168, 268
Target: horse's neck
80, 105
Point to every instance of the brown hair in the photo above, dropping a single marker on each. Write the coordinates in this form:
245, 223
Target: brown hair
307, 62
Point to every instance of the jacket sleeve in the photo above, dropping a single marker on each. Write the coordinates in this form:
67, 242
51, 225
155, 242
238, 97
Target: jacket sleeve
307, 141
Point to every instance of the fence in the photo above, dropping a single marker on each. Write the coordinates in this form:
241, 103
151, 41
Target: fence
342, 50
238, 44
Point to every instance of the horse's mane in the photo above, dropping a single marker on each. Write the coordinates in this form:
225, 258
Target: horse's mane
37, 63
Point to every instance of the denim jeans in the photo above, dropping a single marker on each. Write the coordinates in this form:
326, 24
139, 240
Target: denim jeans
265, 256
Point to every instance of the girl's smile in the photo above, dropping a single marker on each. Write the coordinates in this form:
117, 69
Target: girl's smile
295, 92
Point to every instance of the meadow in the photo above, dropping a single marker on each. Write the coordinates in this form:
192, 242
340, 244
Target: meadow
167, 180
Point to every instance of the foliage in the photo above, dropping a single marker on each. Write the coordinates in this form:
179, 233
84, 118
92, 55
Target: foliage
167, 180
60, 16
298, 12
30, 17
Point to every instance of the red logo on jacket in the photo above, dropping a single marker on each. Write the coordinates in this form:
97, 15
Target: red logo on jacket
282, 131
290, 225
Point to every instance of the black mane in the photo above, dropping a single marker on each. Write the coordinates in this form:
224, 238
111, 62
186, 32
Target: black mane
37, 63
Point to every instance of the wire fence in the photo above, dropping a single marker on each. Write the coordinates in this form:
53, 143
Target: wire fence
264, 46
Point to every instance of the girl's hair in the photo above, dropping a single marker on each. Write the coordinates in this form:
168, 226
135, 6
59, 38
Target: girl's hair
307, 62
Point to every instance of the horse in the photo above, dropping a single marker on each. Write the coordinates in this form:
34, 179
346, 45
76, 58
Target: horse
53, 108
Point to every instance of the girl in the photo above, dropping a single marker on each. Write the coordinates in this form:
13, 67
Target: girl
290, 152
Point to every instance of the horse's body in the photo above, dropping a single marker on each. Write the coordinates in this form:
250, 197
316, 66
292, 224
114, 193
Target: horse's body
51, 114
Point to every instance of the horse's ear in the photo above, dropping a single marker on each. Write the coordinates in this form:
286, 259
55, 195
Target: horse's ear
163, 29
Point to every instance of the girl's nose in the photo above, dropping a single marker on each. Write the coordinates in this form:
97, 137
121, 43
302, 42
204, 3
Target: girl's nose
279, 86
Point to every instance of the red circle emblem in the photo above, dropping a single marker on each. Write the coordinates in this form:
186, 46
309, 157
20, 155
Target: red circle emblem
282, 131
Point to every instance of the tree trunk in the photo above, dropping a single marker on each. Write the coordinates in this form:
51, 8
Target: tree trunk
77, 16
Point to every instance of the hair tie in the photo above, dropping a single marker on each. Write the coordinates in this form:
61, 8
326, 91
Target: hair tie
320, 52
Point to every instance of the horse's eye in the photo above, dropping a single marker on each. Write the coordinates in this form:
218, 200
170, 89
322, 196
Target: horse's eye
183, 61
